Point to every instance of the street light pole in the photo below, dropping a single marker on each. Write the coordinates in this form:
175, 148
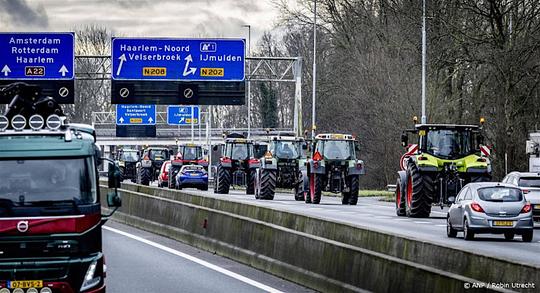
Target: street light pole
314, 85
424, 118
249, 82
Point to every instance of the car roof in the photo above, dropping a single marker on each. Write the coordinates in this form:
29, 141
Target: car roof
478, 185
525, 174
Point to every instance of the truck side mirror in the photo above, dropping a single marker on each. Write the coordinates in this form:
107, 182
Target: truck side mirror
215, 148
404, 139
113, 199
113, 175
304, 146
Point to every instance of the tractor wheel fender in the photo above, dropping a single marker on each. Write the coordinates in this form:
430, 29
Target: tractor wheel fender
403, 179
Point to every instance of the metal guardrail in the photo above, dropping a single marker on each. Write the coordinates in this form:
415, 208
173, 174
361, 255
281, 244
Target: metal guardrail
391, 187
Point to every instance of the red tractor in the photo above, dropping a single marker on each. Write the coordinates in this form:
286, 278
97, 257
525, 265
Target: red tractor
188, 154
237, 165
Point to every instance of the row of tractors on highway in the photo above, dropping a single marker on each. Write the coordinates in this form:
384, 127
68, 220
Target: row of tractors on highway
442, 159
282, 161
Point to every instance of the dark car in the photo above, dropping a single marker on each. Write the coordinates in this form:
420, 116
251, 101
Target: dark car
192, 176
490, 207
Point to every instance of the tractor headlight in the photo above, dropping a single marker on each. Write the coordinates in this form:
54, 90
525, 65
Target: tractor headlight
18, 122
90, 280
54, 122
36, 122
4, 123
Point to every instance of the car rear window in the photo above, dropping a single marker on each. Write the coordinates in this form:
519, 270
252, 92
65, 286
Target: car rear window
193, 168
529, 181
500, 194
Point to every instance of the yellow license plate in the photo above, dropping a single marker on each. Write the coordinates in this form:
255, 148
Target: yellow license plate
537, 206
26, 284
503, 223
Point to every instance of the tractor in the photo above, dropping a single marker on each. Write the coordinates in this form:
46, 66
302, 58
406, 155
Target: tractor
188, 154
335, 167
127, 160
281, 167
433, 171
237, 164
150, 164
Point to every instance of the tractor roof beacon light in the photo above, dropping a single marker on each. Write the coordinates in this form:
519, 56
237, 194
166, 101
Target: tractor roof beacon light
54, 122
18, 122
482, 120
4, 123
36, 122
415, 119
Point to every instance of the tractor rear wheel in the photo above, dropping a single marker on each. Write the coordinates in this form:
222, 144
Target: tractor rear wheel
223, 180
173, 171
400, 200
268, 184
354, 189
419, 189
250, 184
146, 176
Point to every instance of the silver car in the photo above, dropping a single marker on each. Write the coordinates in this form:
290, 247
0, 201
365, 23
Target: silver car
530, 185
490, 207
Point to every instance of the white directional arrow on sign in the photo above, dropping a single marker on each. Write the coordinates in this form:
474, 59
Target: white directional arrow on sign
122, 59
150, 120
121, 119
191, 69
63, 70
6, 70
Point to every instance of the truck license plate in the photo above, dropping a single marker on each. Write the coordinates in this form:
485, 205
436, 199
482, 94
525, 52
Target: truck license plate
503, 223
25, 284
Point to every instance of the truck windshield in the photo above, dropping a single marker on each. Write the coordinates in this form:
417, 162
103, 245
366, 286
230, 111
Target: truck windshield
449, 143
36, 182
191, 153
286, 149
336, 149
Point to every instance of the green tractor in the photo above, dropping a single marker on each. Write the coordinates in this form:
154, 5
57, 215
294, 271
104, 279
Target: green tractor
150, 164
127, 160
334, 167
281, 167
433, 171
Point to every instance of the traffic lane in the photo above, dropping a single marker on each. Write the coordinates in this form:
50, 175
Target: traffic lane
135, 266
373, 214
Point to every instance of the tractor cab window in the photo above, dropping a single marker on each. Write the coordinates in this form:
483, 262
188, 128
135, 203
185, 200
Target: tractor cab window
448, 143
238, 151
336, 149
286, 149
191, 153
159, 155
129, 156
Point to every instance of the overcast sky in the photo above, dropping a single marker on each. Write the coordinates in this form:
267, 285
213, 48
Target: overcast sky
163, 18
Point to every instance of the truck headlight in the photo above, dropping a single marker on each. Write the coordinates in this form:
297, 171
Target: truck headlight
90, 280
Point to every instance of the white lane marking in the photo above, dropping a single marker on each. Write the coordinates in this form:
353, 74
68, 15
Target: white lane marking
196, 260
421, 222
441, 225
401, 219
382, 217
440, 213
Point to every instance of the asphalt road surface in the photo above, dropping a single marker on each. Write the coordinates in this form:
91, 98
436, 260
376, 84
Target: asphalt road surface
138, 261
377, 215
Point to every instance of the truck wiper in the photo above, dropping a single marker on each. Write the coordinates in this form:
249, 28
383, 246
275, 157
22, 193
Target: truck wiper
45, 203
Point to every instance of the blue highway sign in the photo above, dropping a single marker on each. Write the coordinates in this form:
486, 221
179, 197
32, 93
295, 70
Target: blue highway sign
37, 56
178, 59
181, 115
135, 114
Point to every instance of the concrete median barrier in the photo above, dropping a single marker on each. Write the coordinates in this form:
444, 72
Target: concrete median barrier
317, 253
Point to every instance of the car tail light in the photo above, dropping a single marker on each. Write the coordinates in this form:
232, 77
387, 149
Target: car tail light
476, 207
526, 208
359, 166
525, 191
226, 160
317, 156
146, 158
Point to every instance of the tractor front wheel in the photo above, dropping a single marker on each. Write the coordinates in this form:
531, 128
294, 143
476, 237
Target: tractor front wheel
268, 184
354, 189
315, 189
223, 180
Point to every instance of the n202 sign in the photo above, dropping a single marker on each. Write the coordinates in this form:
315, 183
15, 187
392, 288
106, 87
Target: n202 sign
181, 115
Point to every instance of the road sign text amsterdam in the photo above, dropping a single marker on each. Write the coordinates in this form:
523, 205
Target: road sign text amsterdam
37, 56
181, 115
178, 59
135, 114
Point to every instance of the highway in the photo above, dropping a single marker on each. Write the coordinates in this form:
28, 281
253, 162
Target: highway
138, 261
380, 216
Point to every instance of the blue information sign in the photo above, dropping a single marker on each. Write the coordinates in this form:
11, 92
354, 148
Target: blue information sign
181, 115
135, 114
178, 59
37, 56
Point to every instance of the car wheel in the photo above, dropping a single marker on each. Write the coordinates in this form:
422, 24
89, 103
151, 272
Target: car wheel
467, 233
509, 236
527, 236
450, 232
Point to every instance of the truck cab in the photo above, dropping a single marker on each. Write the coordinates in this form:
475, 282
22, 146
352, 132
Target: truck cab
50, 212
